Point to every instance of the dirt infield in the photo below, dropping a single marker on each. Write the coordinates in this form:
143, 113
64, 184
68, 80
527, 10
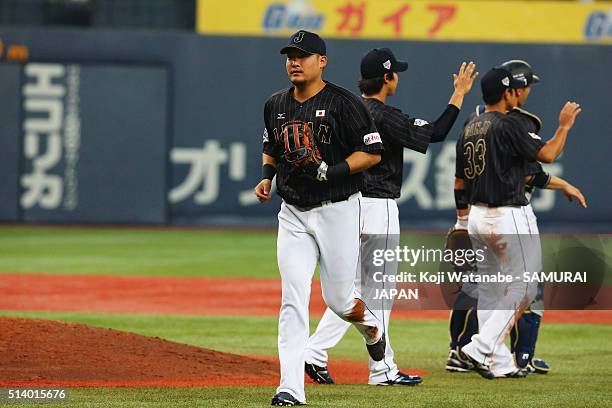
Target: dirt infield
40, 353
47, 353
190, 296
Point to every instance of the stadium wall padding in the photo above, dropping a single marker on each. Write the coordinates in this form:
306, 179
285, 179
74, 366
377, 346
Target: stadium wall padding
10, 114
171, 124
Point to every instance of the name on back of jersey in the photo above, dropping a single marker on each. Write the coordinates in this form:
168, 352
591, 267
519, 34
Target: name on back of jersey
477, 128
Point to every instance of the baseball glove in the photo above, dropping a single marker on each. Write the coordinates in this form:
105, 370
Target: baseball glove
456, 239
459, 239
300, 146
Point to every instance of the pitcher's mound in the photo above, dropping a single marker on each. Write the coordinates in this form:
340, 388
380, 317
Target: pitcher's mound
37, 352
42, 352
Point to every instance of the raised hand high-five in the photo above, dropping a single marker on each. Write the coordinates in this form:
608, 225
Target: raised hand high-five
462, 82
568, 114
464, 79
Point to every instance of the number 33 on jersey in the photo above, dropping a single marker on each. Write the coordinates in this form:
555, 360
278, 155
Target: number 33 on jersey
490, 151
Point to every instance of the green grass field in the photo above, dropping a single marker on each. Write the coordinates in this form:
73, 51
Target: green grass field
581, 355
175, 252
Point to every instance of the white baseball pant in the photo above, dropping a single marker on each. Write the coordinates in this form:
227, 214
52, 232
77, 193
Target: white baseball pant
537, 306
379, 216
516, 250
328, 234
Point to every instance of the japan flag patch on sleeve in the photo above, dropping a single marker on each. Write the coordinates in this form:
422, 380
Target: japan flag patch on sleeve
320, 113
371, 138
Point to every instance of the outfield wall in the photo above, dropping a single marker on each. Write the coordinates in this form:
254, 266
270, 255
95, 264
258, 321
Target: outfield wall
136, 127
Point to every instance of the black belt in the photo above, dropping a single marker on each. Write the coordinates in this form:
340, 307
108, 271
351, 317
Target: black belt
487, 205
497, 205
322, 203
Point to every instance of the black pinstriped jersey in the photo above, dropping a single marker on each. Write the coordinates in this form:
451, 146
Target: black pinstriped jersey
398, 131
341, 125
492, 153
532, 124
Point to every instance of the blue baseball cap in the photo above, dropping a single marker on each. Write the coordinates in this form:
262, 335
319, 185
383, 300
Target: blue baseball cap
497, 80
380, 61
305, 41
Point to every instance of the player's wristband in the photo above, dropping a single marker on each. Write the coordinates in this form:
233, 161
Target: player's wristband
444, 123
462, 222
461, 199
539, 180
268, 171
337, 171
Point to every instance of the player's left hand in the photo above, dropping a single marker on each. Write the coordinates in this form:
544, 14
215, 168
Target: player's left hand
464, 80
572, 192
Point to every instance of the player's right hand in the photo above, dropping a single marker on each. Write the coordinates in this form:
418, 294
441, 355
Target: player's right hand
262, 190
568, 114
572, 192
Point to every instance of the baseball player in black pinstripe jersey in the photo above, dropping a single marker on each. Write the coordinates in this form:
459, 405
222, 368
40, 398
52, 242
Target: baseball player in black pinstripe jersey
319, 216
382, 185
463, 322
492, 153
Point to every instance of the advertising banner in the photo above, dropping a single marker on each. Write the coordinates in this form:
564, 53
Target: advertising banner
423, 20
94, 143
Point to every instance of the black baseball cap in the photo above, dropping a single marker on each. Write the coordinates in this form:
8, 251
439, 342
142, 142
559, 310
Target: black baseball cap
305, 41
379, 62
497, 80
